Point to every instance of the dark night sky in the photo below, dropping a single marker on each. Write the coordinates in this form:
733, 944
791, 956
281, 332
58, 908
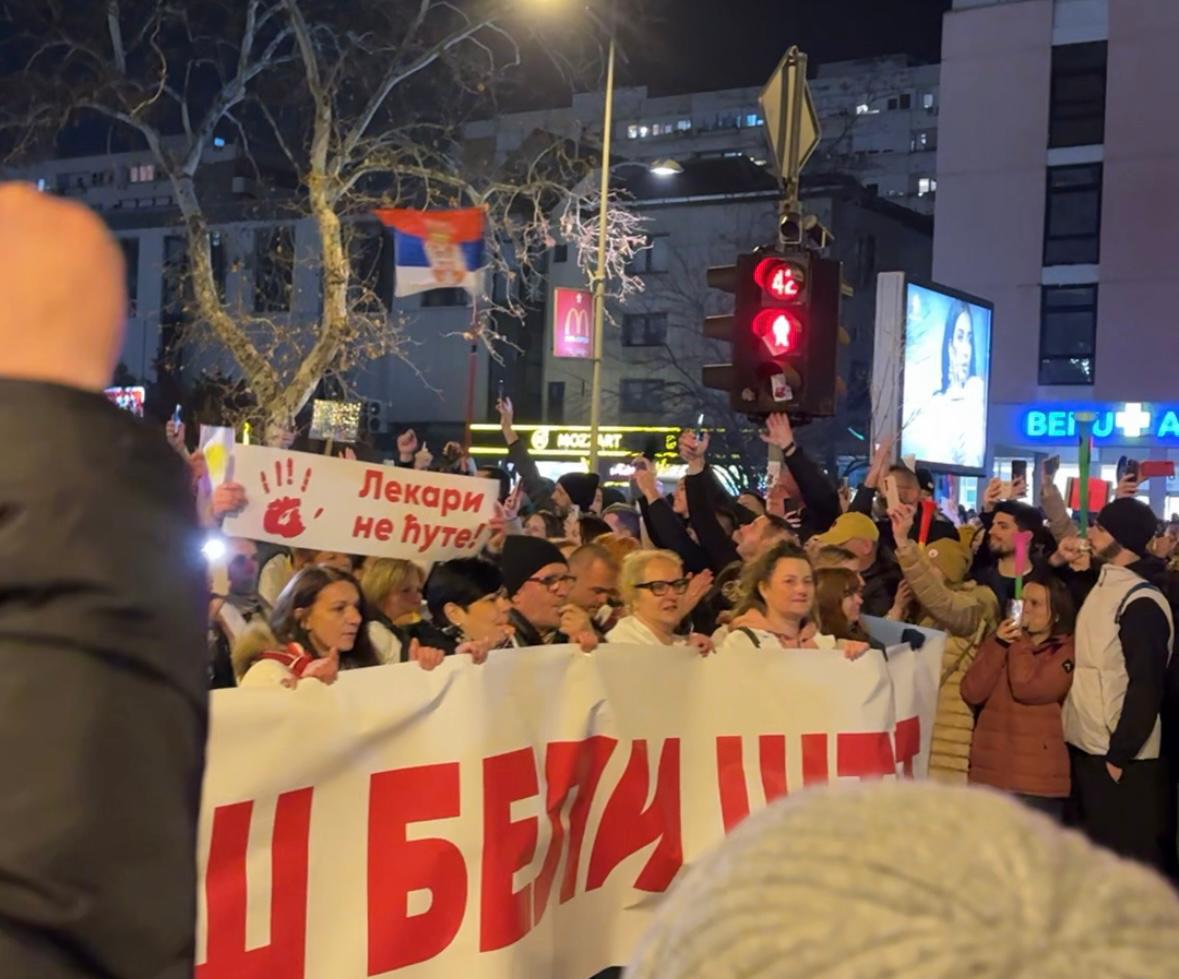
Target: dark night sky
698, 45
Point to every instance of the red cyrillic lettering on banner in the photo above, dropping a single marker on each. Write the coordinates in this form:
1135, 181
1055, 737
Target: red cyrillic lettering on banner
569, 765
907, 738
393, 491
452, 499
864, 755
410, 527
429, 535
397, 866
473, 502
506, 915
772, 749
411, 495
383, 529
363, 527
814, 759
225, 893
448, 533
462, 539
730, 780
431, 496
372, 477
627, 827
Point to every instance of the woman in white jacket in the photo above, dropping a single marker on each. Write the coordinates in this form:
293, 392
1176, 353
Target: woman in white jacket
777, 607
653, 589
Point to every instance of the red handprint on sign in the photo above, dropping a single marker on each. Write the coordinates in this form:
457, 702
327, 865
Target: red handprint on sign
283, 517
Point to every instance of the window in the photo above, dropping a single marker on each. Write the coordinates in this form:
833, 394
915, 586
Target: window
274, 262
444, 297
907, 101
923, 139
684, 125
556, 415
218, 141
862, 109
143, 173
653, 258
753, 119
892, 104
217, 259
1072, 226
928, 100
1068, 334
130, 248
632, 132
926, 186
644, 330
1077, 112
641, 395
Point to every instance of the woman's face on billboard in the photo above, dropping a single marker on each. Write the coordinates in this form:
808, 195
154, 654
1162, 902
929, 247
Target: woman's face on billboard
961, 349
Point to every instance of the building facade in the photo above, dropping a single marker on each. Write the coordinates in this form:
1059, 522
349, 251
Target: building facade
1058, 200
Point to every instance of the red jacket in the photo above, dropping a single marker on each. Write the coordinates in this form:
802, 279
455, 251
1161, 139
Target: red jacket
1018, 737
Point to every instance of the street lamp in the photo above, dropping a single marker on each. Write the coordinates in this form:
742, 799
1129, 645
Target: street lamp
666, 168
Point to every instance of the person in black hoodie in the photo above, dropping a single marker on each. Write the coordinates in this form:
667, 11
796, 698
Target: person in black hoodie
572, 489
1112, 718
103, 612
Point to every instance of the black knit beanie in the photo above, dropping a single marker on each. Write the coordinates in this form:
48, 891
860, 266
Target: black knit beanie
1130, 522
581, 487
523, 557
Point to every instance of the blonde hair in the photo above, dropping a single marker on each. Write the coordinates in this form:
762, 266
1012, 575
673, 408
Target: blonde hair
634, 570
387, 575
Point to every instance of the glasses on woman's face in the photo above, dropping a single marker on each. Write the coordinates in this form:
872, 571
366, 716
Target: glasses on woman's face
661, 588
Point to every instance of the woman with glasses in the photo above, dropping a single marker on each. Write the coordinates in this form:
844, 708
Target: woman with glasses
654, 591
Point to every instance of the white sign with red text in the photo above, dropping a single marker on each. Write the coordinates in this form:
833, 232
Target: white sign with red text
327, 504
520, 818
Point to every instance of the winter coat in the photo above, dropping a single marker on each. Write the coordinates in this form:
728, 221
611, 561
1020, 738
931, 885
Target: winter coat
103, 618
966, 613
1019, 736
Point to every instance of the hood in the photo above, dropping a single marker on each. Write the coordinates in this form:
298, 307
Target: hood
256, 640
1151, 569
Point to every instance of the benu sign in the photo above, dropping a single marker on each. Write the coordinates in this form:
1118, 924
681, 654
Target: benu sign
1116, 423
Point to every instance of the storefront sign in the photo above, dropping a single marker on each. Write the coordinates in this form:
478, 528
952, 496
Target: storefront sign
1115, 423
573, 323
574, 441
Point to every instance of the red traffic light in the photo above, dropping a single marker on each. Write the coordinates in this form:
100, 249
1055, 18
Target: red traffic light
780, 279
778, 330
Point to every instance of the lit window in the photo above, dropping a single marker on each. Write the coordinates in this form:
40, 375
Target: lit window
632, 132
753, 119
42, 183
926, 185
144, 173
684, 125
927, 100
218, 141
864, 109
644, 132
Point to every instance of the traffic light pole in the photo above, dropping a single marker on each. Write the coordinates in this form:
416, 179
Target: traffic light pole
600, 272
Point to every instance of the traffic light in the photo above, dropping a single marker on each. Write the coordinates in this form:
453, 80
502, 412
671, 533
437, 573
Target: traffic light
784, 332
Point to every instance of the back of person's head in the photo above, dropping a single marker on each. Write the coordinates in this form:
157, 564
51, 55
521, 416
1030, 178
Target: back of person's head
501, 477
623, 517
619, 546
914, 880
832, 556
588, 555
460, 582
592, 528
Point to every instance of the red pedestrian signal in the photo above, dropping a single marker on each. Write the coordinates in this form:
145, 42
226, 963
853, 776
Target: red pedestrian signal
778, 330
780, 279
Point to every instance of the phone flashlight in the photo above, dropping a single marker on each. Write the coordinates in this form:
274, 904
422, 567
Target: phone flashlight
176, 416
214, 548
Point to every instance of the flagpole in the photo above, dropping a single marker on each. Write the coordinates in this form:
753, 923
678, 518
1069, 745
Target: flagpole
472, 370
600, 273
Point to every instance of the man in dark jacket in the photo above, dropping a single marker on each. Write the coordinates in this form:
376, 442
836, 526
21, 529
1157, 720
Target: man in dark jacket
102, 627
572, 490
1125, 635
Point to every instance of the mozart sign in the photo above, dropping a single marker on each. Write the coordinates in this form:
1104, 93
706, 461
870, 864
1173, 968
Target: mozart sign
573, 311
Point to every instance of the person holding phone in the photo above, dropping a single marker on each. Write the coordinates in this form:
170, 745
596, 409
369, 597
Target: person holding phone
1018, 684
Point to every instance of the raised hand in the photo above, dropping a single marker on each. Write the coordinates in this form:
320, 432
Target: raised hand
422, 458
229, 499
701, 643
326, 669
645, 480
1009, 631
694, 450
174, 433
507, 414
575, 621
902, 521
1127, 487
698, 586
778, 431
881, 460
993, 495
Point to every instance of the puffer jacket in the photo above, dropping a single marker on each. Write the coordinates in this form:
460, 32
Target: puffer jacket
1019, 736
967, 613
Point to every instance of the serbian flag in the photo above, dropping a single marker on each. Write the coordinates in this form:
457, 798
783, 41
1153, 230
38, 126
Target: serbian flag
437, 249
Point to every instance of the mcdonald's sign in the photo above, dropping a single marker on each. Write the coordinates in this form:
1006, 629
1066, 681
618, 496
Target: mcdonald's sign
573, 323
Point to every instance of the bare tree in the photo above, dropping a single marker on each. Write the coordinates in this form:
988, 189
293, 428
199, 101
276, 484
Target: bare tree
359, 105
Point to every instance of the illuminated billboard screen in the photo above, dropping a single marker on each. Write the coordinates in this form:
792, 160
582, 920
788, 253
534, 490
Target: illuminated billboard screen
946, 378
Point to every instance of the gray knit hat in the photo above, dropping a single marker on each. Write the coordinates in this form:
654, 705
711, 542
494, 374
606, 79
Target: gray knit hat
912, 880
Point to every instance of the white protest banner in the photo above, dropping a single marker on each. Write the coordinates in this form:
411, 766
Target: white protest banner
521, 818
327, 504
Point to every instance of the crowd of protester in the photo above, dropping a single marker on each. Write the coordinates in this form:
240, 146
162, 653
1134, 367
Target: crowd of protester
1054, 677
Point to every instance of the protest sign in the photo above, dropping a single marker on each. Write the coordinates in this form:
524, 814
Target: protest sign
327, 504
521, 818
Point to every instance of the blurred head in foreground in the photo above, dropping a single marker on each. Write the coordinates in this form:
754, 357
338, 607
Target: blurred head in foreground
910, 879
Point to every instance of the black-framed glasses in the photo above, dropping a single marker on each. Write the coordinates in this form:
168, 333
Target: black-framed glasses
661, 588
553, 581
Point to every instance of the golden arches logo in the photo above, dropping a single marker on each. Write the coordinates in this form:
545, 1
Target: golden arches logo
577, 324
